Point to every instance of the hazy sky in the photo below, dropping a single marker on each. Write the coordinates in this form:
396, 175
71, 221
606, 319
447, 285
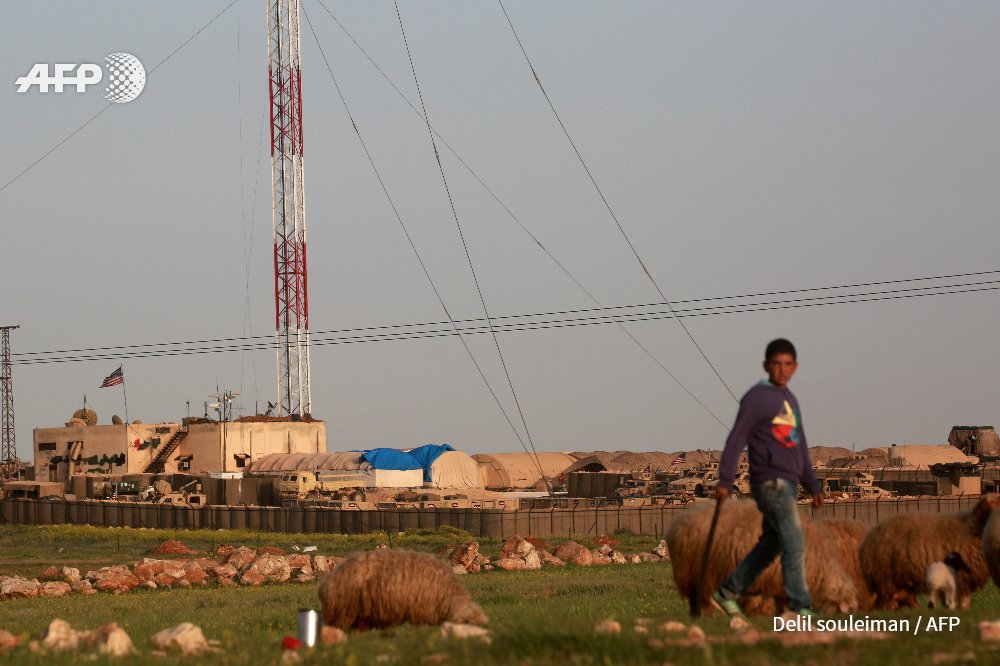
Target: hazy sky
745, 148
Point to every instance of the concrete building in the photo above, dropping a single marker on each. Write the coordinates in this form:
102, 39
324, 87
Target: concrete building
195, 447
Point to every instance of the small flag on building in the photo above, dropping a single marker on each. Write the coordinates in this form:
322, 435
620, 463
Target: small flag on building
114, 379
680, 459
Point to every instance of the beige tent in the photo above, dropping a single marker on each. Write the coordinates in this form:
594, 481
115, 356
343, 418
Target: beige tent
454, 469
627, 462
287, 462
924, 455
499, 471
598, 461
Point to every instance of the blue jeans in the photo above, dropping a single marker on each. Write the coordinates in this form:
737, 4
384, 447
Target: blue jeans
777, 500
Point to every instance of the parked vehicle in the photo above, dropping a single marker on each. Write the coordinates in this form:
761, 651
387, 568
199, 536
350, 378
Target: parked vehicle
741, 486
187, 495
322, 485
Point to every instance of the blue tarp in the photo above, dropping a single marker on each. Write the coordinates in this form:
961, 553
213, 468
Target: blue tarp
390, 459
427, 454
421, 457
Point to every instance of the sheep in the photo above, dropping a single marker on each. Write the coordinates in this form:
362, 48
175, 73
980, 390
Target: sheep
991, 546
832, 570
385, 588
941, 581
896, 553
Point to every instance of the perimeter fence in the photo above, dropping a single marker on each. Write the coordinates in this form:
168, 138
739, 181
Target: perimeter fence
540, 522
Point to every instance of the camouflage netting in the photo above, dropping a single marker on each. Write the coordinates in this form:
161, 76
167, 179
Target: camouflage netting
975, 440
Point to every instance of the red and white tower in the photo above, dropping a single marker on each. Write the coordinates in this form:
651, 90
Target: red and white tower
291, 293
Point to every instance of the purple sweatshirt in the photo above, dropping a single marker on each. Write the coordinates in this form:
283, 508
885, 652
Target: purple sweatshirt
770, 423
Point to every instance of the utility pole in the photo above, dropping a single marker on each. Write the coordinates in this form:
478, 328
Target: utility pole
291, 284
8, 452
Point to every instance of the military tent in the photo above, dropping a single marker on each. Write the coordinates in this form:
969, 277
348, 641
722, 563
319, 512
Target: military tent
499, 471
381, 475
287, 462
454, 469
923, 456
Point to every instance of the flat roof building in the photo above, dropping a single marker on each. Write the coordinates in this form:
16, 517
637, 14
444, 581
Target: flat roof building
193, 447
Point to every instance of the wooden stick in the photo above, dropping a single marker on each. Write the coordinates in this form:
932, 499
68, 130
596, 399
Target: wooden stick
695, 600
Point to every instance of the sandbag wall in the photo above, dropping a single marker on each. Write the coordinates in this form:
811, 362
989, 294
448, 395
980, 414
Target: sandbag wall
650, 520
479, 522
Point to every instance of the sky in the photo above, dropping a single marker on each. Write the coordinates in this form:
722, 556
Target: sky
744, 148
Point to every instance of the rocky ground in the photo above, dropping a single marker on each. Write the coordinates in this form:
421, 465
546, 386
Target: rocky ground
230, 566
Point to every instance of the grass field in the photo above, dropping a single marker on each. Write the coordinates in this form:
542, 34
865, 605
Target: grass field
537, 617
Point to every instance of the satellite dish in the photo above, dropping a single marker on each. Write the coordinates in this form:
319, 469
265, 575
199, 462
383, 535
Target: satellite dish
116, 420
88, 416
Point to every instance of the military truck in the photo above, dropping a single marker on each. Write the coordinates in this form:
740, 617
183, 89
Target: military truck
854, 485
865, 489
187, 495
643, 488
741, 486
301, 485
693, 483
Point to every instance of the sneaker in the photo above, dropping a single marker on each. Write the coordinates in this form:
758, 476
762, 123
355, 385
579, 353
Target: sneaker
730, 607
807, 612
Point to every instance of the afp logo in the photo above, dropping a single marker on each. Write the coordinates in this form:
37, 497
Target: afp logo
126, 77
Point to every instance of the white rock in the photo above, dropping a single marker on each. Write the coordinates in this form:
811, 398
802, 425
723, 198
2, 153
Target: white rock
60, 636
185, 637
453, 630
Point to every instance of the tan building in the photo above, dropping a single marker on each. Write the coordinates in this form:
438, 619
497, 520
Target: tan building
169, 447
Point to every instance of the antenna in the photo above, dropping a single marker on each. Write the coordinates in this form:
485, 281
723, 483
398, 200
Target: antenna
8, 451
291, 293
224, 406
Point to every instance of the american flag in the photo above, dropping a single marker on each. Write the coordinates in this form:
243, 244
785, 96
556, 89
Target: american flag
114, 379
680, 459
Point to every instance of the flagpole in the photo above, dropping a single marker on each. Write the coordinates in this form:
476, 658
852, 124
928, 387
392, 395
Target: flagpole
124, 395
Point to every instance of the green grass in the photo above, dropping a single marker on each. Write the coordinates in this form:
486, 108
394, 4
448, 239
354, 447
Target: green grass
26, 550
537, 617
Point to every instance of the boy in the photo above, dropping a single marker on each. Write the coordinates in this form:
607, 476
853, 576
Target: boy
769, 423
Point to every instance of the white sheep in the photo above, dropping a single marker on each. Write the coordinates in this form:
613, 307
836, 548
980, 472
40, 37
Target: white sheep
942, 584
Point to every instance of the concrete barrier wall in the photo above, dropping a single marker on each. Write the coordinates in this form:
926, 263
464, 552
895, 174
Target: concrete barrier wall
580, 520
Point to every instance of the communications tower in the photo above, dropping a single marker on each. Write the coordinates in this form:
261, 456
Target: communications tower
291, 284
8, 451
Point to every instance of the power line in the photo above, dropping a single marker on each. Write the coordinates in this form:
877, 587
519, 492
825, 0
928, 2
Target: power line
581, 311
461, 235
607, 205
514, 217
406, 233
390, 335
110, 104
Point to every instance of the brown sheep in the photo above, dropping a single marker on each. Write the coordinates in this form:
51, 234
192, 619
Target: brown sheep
832, 570
385, 588
848, 535
991, 546
896, 553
